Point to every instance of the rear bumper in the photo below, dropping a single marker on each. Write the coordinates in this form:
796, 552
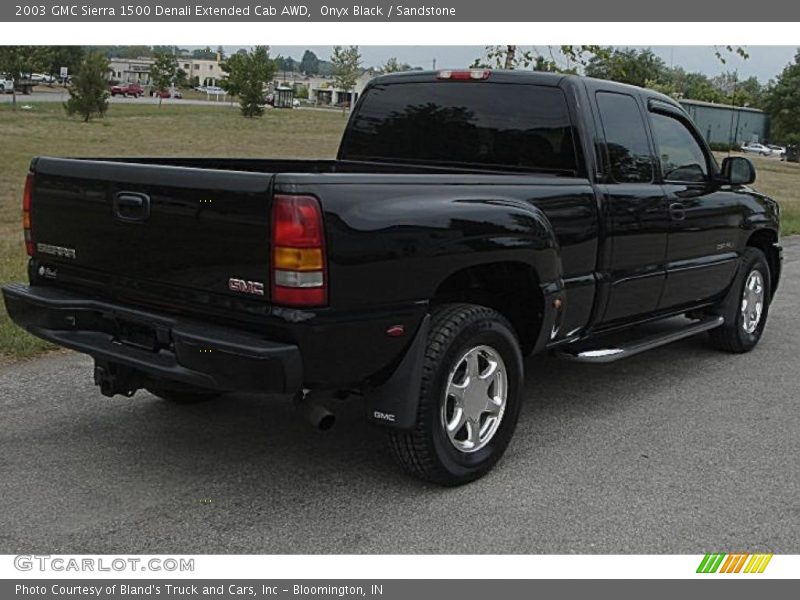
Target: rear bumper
158, 346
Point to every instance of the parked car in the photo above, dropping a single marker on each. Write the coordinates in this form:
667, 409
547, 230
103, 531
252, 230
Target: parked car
42, 78
777, 150
470, 218
763, 150
6, 85
127, 89
171, 93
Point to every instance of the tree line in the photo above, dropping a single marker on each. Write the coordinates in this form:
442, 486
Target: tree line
249, 71
779, 97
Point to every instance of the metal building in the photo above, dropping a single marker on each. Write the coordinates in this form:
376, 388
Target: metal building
724, 124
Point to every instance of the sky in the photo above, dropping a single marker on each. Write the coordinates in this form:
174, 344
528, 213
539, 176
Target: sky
765, 62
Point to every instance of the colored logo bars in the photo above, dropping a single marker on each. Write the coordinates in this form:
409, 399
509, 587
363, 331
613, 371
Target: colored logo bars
734, 563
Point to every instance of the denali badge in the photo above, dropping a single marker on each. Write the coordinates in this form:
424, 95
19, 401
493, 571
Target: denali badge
246, 287
60, 251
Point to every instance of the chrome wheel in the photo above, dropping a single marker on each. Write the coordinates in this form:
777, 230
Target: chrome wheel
752, 301
475, 399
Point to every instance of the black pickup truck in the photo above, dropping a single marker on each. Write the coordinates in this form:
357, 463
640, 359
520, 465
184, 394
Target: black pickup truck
470, 218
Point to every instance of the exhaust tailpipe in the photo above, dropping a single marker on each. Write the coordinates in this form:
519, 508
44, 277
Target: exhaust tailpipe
314, 412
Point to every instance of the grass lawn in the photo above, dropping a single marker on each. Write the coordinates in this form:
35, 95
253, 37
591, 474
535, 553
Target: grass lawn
130, 130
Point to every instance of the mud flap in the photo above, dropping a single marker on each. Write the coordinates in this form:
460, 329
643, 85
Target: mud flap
394, 404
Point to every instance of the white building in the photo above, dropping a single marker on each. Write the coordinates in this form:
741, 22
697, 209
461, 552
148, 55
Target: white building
322, 91
137, 70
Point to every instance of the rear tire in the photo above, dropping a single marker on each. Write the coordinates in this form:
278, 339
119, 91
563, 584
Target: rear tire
181, 394
472, 364
746, 306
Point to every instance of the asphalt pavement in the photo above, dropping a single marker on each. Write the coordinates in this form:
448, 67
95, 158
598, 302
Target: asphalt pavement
679, 450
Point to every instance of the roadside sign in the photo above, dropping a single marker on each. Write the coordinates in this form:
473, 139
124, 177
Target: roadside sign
64, 71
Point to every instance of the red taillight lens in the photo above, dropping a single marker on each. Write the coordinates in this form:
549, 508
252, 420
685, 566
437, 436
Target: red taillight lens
296, 222
299, 276
27, 201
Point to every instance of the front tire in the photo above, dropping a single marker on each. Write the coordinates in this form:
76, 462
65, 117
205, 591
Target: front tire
469, 400
746, 305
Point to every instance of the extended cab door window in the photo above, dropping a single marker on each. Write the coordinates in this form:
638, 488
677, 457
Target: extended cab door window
703, 226
627, 148
634, 211
682, 158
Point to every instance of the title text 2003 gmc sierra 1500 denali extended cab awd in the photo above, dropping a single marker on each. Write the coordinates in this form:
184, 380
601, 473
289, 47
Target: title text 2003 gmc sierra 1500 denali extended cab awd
469, 219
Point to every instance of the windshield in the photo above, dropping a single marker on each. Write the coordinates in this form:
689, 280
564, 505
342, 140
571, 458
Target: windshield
507, 126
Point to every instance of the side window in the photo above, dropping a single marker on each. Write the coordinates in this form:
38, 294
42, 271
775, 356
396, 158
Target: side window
626, 140
682, 158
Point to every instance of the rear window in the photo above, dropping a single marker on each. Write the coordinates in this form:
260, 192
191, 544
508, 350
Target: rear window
469, 124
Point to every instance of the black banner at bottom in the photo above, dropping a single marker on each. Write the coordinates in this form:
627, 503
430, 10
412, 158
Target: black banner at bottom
389, 589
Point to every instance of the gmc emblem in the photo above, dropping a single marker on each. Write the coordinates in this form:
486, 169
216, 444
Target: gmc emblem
255, 288
383, 416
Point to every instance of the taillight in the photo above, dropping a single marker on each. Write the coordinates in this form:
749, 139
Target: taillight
299, 276
470, 75
27, 201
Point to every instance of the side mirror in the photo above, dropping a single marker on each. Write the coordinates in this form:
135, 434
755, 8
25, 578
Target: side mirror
737, 170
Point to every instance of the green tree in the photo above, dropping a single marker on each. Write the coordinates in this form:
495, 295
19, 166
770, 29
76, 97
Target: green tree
628, 65
63, 56
393, 66
204, 54
163, 72
748, 92
309, 64
88, 95
346, 67
19, 62
286, 64
248, 74
679, 84
559, 59
235, 66
181, 78
782, 102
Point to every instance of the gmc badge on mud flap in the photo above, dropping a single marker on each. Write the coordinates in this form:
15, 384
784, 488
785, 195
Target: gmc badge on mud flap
255, 288
383, 416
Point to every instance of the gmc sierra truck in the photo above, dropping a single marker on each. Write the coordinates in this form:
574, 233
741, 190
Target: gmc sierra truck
469, 219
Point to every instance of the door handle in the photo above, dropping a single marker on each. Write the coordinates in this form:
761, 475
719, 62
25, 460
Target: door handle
677, 211
132, 206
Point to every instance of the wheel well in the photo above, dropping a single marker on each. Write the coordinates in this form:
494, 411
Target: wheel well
765, 240
511, 288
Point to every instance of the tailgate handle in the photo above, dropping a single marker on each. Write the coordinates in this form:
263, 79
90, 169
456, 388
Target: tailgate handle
133, 207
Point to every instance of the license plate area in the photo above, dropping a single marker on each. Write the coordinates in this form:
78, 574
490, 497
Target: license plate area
138, 335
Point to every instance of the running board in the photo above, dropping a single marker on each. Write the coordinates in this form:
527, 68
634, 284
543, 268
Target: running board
612, 354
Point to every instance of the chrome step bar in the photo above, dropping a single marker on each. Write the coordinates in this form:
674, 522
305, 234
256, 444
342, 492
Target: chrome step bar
615, 353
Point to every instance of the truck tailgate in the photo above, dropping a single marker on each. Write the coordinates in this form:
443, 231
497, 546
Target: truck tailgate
170, 236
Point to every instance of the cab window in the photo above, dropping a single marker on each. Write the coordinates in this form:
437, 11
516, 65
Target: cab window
682, 158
